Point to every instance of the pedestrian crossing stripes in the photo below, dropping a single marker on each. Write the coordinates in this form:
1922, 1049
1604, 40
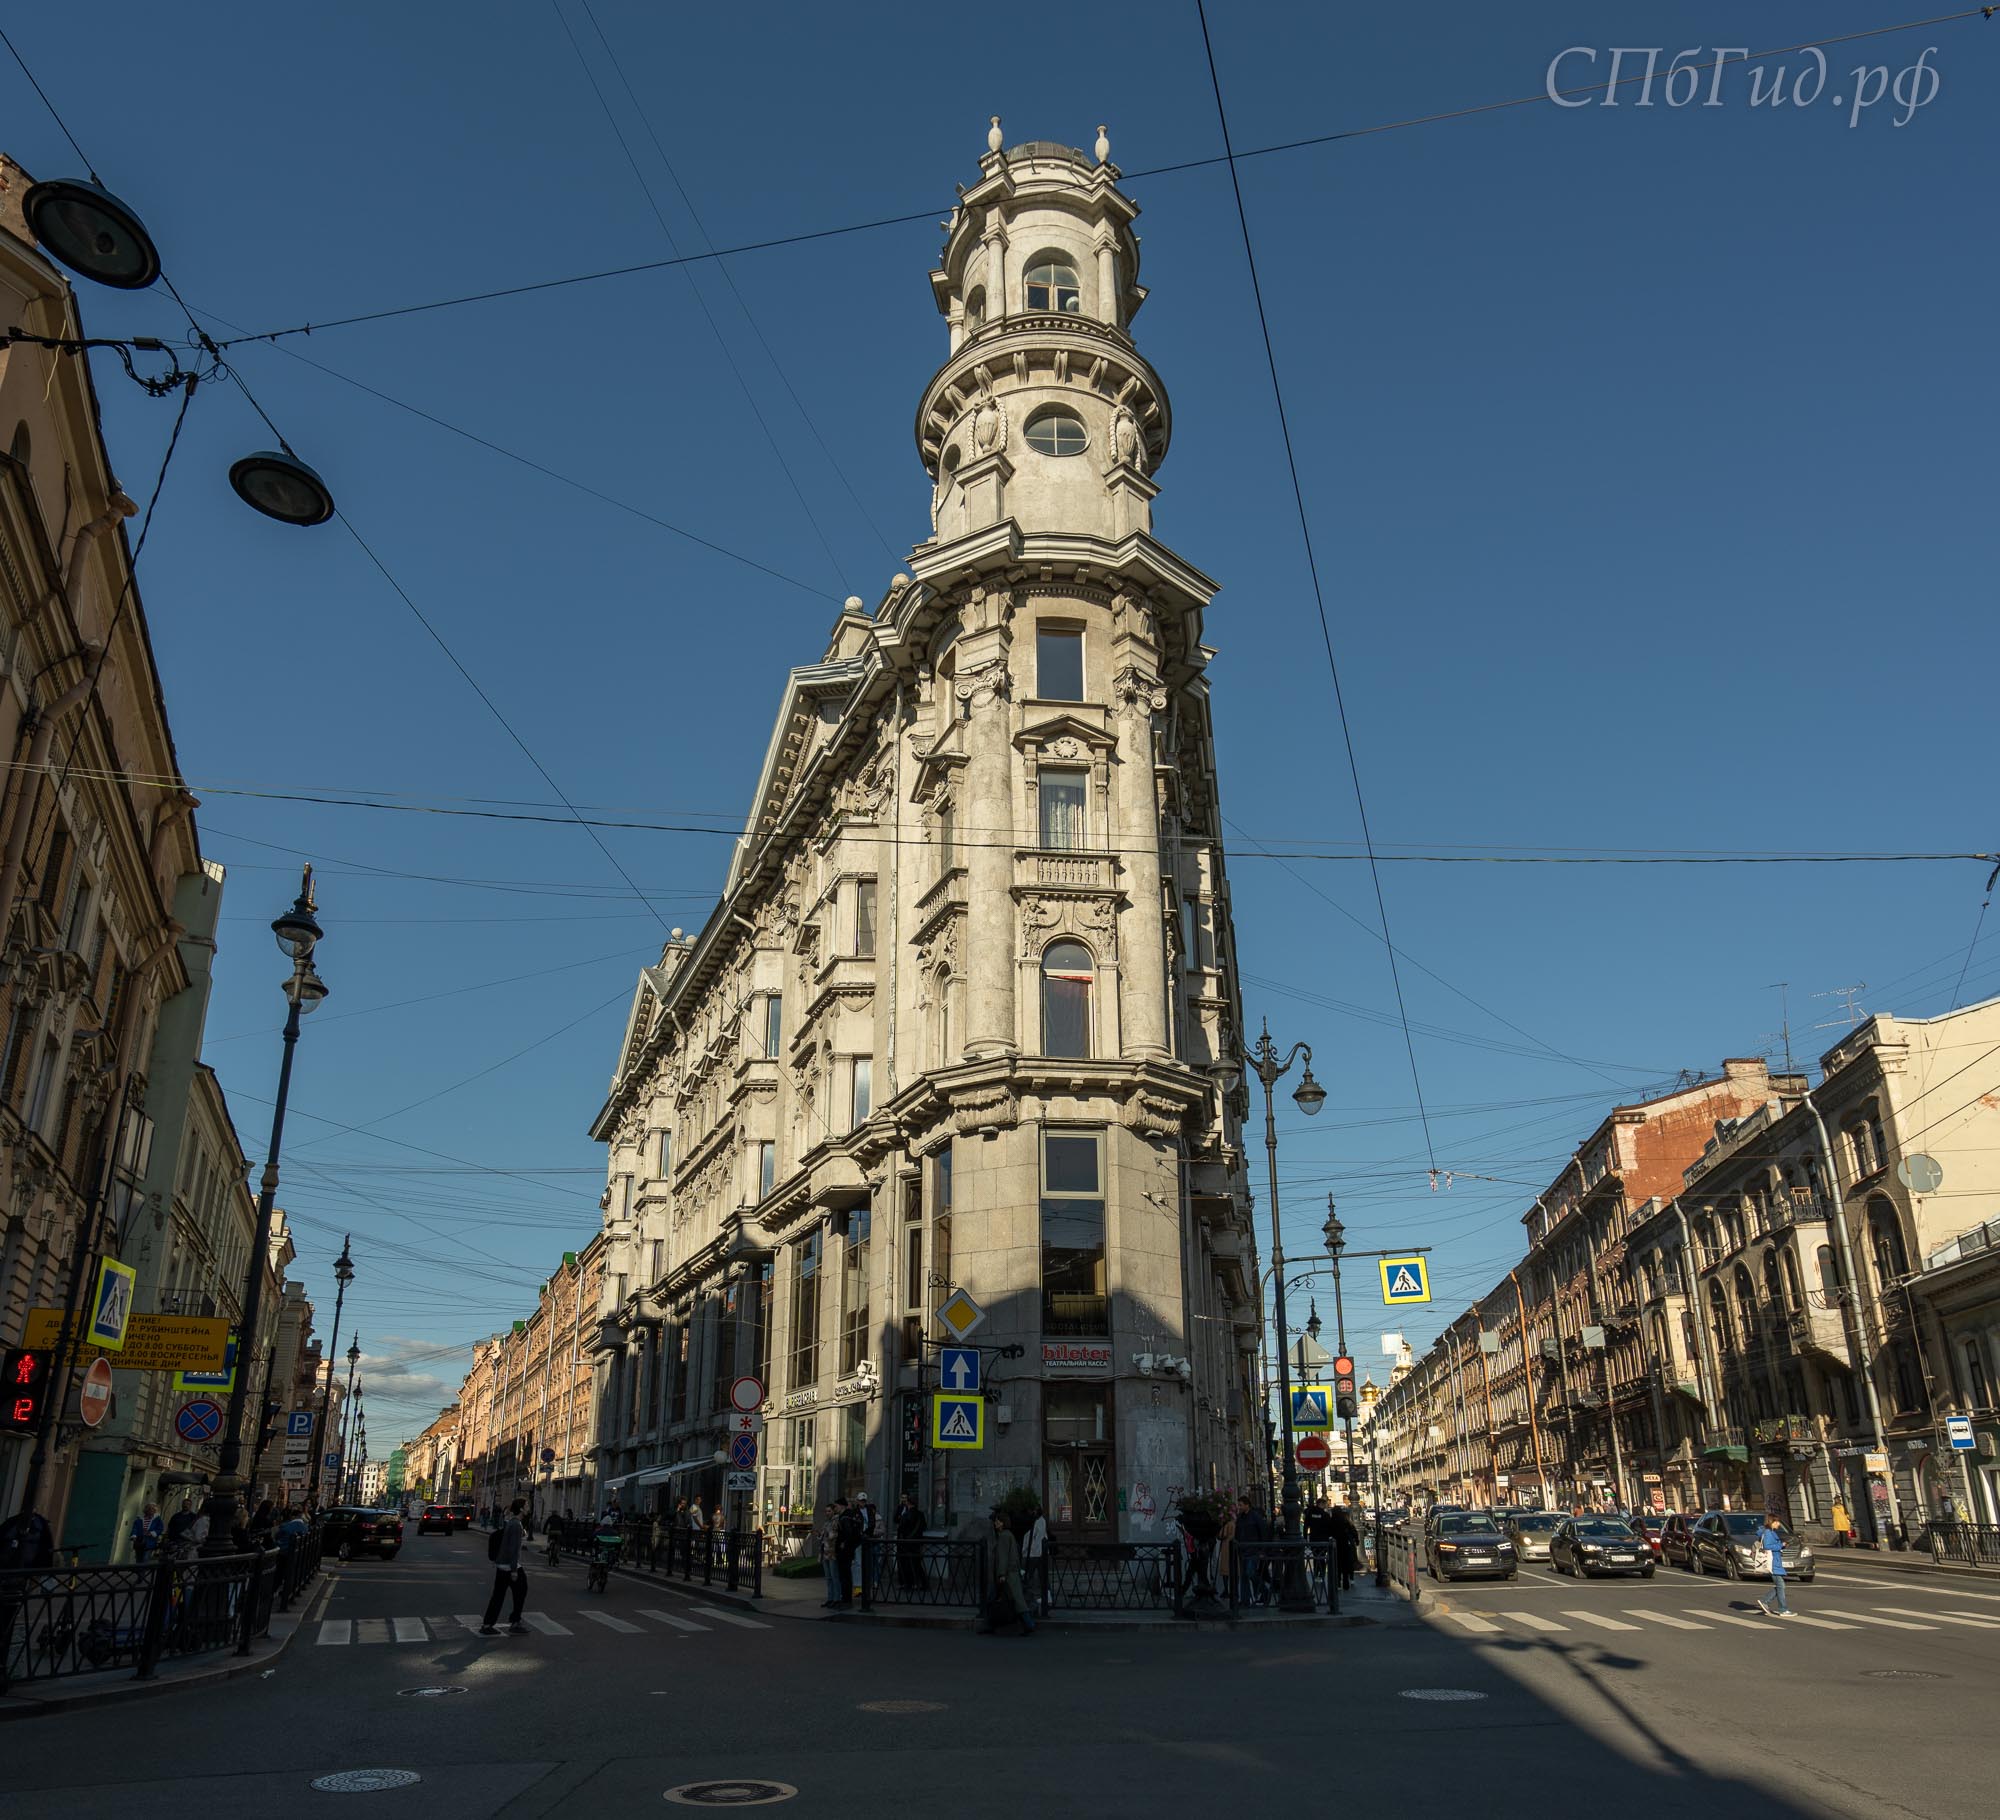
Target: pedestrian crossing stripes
339, 1632
1700, 1617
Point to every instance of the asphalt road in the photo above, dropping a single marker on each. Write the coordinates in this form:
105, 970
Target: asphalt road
624, 1695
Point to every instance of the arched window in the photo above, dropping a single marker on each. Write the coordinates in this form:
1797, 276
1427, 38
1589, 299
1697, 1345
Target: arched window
1885, 1240
1718, 1318
1795, 1297
975, 307
1067, 977
1056, 432
1774, 1290
1052, 286
943, 1021
1746, 1306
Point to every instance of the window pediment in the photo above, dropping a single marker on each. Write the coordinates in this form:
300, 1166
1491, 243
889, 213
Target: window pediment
1070, 737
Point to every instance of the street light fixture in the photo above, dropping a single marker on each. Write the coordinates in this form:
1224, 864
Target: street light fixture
343, 1274
85, 227
298, 933
278, 484
1296, 1593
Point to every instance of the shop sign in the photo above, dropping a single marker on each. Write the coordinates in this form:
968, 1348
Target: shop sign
802, 1399
1875, 1462
1076, 1358
857, 1389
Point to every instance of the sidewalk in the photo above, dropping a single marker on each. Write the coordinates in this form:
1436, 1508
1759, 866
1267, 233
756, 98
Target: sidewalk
1909, 1561
28, 1699
803, 1600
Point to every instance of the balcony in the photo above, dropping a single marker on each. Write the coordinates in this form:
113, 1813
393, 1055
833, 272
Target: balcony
1819, 1330
1782, 1431
1052, 869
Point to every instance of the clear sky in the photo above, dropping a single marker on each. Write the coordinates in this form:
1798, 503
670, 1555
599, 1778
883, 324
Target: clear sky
1647, 451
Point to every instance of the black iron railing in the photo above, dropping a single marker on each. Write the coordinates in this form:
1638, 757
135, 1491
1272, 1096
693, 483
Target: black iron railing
930, 1571
732, 1559
1965, 1544
1109, 1576
1283, 1576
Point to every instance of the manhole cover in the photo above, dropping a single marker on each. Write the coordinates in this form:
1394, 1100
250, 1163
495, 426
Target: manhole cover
1903, 1674
428, 1693
731, 1794
1441, 1693
364, 1781
902, 1706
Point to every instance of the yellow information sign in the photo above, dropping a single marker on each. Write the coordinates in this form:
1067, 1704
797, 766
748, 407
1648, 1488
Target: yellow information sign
153, 1342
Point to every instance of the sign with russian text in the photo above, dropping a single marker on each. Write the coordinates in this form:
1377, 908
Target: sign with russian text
153, 1342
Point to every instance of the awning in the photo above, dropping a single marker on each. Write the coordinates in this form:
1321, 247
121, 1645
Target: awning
658, 1475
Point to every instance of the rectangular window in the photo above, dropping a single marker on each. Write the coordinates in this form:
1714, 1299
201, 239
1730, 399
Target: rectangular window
1074, 1298
664, 1158
864, 918
854, 1291
678, 1351
1064, 795
939, 1281
913, 1291
761, 1288
805, 1312
722, 1344
1058, 664
947, 836
45, 1079
767, 1168
864, 1086
659, 1248
774, 1024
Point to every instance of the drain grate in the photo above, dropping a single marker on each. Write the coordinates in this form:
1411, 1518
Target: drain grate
428, 1693
1441, 1693
731, 1794
1904, 1674
902, 1706
364, 1781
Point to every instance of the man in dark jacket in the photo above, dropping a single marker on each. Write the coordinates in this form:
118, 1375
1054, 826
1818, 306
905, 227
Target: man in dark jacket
508, 1573
847, 1531
1346, 1545
909, 1544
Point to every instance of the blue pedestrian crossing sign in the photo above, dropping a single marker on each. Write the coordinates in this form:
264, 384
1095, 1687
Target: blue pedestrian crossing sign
958, 1421
111, 1305
223, 1380
1405, 1280
1312, 1406
958, 1367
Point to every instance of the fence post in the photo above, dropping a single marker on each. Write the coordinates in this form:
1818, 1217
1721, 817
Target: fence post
733, 1543
867, 1575
157, 1604
757, 1565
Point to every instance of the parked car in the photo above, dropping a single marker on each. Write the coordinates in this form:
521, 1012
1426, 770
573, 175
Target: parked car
1677, 1538
1725, 1542
1649, 1527
1530, 1530
350, 1529
1587, 1546
437, 1517
1467, 1542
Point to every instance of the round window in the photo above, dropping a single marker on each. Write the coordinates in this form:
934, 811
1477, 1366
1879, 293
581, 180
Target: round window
1056, 432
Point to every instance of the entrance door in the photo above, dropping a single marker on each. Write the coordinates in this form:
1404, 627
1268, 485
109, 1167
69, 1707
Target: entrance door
1079, 1481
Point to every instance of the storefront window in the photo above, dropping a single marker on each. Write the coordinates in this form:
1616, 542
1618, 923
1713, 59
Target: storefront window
854, 1291
1074, 1299
805, 1311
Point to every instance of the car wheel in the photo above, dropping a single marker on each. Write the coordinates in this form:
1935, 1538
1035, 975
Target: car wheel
345, 1552
1694, 1564
1806, 1578
1730, 1569
389, 1554
1645, 1573
1513, 1573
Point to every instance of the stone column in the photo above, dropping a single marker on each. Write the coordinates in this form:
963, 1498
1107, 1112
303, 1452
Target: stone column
1107, 278
987, 826
1142, 954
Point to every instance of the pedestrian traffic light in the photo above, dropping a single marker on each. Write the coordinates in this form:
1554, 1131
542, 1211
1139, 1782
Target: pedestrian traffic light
1343, 1386
26, 1380
269, 1426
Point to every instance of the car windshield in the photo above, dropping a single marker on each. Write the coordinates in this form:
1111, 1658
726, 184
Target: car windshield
1538, 1526
1468, 1525
1605, 1529
1741, 1523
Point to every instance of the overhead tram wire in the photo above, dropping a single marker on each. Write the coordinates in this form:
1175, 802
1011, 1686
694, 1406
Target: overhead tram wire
728, 278
1540, 98
708, 315
1312, 567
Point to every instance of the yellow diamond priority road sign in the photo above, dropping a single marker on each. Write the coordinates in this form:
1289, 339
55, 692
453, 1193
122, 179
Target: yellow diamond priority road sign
960, 1314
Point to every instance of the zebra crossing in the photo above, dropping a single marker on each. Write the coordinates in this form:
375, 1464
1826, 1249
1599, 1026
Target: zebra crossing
456, 1627
1491, 1622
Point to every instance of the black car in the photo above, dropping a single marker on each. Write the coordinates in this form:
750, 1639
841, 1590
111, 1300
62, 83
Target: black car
437, 1517
1464, 1543
351, 1529
1587, 1546
1726, 1542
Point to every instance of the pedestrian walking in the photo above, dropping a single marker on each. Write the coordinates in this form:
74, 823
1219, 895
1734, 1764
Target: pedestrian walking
718, 1533
1010, 1599
1035, 1562
504, 1551
829, 1542
846, 1545
1346, 1545
653, 1529
909, 1544
147, 1529
1771, 1539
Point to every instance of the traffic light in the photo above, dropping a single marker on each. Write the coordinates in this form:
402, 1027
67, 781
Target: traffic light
1343, 1386
268, 1427
26, 1373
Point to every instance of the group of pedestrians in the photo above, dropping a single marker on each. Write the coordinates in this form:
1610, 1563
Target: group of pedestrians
844, 1530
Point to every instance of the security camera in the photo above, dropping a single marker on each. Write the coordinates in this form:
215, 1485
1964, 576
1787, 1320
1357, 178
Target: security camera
1184, 1370
1144, 1361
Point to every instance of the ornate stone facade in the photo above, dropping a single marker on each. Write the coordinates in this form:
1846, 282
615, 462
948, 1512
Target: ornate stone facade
954, 1021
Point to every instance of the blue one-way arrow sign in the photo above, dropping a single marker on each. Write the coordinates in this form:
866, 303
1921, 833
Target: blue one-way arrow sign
958, 1367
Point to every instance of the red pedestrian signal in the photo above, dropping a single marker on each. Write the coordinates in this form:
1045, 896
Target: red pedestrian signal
26, 1374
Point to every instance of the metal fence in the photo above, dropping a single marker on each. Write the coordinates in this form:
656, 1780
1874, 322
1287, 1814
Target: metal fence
923, 1572
59, 1622
1287, 1576
1110, 1576
1965, 1544
1401, 1548
732, 1559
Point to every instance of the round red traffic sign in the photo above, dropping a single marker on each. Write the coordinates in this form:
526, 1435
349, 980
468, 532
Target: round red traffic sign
1313, 1453
746, 1396
93, 1397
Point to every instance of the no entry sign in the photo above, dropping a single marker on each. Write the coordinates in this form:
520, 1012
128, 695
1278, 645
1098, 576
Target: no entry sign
1313, 1453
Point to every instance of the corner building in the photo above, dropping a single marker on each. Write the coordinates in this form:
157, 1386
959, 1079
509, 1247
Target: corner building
955, 1020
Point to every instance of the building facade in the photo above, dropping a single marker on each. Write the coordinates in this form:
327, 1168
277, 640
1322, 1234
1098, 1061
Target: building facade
954, 1023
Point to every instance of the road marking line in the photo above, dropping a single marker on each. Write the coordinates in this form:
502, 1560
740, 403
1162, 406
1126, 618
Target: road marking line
547, 1626
371, 1630
1602, 1622
1729, 1617
667, 1617
1533, 1621
1662, 1617
608, 1621
472, 1620
1862, 1617
410, 1630
1799, 1617
1945, 1617
739, 1620
337, 1630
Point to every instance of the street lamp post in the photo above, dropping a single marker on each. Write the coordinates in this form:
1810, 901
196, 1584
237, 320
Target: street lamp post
343, 1274
298, 934
347, 1420
1309, 1097
1336, 1243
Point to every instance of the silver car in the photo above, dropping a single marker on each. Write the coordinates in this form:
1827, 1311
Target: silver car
1530, 1531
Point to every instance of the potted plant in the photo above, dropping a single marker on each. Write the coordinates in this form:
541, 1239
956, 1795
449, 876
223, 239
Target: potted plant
1019, 1505
1200, 1515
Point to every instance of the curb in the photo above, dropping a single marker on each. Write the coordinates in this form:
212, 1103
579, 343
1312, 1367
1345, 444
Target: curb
34, 1706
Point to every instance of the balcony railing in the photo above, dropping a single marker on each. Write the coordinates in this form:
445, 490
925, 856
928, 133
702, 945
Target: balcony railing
1062, 869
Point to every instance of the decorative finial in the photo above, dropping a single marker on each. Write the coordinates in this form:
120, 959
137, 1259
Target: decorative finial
993, 136
1103, 147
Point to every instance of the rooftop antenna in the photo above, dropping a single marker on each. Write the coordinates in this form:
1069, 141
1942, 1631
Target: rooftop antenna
1783, 988
1851, 1013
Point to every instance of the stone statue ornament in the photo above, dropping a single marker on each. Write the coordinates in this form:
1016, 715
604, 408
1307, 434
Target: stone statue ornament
1128, 445
1103, 146
989, 425
994, 137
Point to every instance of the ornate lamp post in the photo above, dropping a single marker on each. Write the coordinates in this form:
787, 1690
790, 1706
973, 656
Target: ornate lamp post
343, 1274
1335, 1235
298, 934
1309, 1097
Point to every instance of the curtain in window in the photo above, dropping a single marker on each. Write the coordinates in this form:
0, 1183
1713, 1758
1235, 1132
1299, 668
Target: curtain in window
1063, 797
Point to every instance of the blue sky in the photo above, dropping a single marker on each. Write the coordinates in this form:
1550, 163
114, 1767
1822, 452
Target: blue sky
1647, 454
